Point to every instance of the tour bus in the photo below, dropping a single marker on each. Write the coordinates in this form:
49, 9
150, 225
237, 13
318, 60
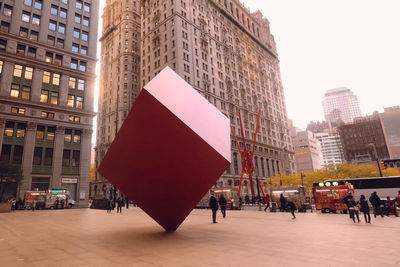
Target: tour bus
383, 186
296, 194
329, 195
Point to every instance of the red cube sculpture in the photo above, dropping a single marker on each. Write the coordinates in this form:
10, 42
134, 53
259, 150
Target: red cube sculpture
170, 150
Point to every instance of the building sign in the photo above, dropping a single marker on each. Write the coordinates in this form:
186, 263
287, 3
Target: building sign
69, 180
82, 196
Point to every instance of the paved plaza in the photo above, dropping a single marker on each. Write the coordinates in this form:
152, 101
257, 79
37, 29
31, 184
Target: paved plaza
84, 237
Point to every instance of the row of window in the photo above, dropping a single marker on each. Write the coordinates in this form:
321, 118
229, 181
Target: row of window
18, 129
45, 114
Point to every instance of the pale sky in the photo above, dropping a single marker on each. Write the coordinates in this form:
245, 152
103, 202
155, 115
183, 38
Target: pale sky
324, 44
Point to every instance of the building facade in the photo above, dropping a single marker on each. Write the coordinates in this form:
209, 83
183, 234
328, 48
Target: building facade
229, 56
308, 151
364, 140
119, 77
331, 147
390, 119
340, 104
47, 65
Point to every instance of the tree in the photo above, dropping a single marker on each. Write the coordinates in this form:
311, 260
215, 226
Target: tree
8, 174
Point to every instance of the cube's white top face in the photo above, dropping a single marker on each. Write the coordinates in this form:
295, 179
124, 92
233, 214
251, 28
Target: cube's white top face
193, 109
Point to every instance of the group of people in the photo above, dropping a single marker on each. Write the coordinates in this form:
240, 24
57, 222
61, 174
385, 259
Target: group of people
389, 206
119, 202
214, 204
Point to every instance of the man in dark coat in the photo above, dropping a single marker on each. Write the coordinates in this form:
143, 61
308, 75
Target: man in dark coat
376, 203
283, 202
292, 207
222, 204
120, 203
214, 207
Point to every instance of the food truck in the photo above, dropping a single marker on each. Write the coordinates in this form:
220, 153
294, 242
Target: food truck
48, 199
328, 196
295, 194
230, 193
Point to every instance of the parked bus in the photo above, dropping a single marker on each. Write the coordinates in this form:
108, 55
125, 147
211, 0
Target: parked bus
383, 186
328, 196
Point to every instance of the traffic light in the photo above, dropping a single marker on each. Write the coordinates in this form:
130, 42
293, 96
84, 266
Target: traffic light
382, 164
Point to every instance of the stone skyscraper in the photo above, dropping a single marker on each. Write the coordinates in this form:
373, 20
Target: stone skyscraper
229, 56
47, 65
119, 76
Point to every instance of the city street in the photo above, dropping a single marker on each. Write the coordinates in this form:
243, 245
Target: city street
84, 237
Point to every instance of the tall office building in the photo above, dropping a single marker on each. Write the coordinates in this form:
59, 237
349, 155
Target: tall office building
331, 146
308, 151
47, 65
119, 77
340, 104
229, 56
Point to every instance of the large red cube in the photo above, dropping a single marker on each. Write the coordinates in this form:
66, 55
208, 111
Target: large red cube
170, 150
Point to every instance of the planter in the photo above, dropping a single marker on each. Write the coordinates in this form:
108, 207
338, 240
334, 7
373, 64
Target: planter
5, 207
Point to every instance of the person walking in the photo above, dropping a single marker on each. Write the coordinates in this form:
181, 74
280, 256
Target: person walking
365, 208
376, 204
391, 207
62, 203
283, 202
292, 207
353, 210
222, 204
34, 205
214, 207
119, 204
109, 206
397, 200
267, 201
127, 202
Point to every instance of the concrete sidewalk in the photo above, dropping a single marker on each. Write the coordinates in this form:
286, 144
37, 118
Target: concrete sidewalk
87, 237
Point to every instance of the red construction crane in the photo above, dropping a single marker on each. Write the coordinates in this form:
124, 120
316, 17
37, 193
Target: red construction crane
247, 156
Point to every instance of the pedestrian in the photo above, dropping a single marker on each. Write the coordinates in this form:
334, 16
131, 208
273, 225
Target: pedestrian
13, 204
267, 201
346, 200
34, 205
57, 201
247, 199
119, 204
376, 204
398, 200
353, 210
127, 202
109, 205
240, 203
62, 203
365, 208
391, 207
213, 204
292, 207
222, 203
284, 202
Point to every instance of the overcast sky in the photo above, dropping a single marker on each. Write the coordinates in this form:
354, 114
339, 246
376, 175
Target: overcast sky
324, 44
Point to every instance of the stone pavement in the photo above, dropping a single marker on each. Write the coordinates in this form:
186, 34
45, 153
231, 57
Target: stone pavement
84, 237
